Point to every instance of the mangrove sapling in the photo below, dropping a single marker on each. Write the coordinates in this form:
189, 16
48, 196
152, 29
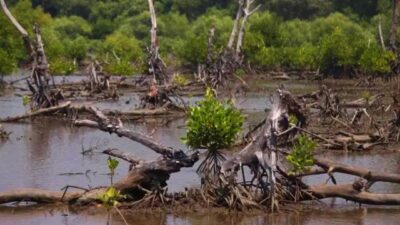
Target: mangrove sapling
112, 165
213, 126
111, 198
301, 157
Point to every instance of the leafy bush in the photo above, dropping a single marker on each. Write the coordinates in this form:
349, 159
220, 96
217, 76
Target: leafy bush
121, 68
194, 48
301, 157
126, 48
71, 27
179, 80
76, 48
212, 124
8, 63
62, 66
374, 60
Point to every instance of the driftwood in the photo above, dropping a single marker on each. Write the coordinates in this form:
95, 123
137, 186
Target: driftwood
357, 191
143, 175
363, 102
36, 195
37, 113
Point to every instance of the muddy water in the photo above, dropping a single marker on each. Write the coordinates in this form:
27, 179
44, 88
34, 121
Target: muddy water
48, 154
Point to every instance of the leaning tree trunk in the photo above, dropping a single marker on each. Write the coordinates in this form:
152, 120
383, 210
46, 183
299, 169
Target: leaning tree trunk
21, 30
247, 12
40, 76
235, 28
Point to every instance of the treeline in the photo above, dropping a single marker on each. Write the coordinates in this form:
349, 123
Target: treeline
335, 36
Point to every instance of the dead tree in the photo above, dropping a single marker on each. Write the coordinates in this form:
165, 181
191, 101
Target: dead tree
97, 84
217, 71
143, 175
21, 30
271, 182
40, 77
247, 12
157, 67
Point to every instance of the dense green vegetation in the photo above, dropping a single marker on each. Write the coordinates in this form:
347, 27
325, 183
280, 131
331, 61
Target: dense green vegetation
336, 36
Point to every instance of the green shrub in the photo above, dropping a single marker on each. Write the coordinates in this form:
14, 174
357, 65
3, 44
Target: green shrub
120, 68
212, 125
126, 48
194, 48
8, 62
301, 157
304, 57
374, 60
71, 27
76, 48
339, 51
62, 66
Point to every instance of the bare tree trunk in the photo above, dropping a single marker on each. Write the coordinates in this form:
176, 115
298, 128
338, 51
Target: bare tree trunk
153, 30
210, 45
380, 34
239, 13
40, 70
247, 13
21, 30
157, 66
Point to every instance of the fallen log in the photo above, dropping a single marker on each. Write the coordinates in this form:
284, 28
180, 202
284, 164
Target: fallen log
145, 175
39, 112
371, 176
348, 192
37, 195
362, 102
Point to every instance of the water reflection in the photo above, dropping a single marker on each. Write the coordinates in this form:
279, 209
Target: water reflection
311, 216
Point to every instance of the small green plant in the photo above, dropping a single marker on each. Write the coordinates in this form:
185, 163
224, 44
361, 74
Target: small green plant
212, 125
26, 100
293, 120
301, 157
367, 96
112, 165
111, 197
179, 80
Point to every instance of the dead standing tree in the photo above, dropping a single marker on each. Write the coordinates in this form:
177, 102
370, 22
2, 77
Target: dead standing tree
40, 77
157, 67
216, 72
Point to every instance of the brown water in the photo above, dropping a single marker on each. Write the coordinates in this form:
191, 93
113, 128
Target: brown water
47, 154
